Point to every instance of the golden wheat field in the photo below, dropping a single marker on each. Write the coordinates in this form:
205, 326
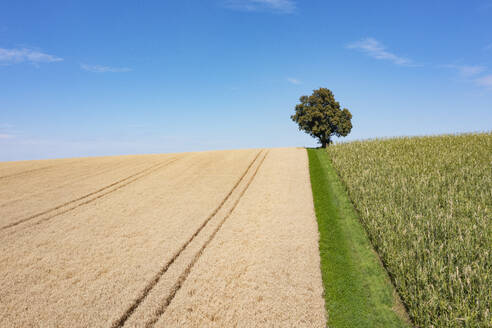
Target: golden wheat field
210, 239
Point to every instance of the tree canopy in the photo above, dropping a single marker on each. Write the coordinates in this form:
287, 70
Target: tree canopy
320, 116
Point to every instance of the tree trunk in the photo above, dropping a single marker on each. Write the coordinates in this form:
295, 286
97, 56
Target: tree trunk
325, 142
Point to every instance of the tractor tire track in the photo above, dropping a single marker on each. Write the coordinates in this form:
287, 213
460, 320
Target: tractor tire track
177, 286
119, 184
13, 175
74, 180
120, 322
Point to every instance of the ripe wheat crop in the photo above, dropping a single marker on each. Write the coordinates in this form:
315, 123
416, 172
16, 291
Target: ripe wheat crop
426, 205
218, 238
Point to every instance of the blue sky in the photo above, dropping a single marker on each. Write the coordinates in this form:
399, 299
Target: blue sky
88, 78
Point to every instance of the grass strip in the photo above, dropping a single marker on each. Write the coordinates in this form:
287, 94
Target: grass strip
358, 292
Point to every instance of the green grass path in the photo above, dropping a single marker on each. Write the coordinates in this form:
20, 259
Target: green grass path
358, 292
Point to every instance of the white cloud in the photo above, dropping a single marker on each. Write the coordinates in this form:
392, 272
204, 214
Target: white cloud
471, 70
104, 69
12, 56
467, 70
376, 49
279, 6
293, 80
472, 73
485, 81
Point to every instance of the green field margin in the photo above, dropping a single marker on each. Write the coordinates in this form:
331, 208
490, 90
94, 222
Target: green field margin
357, 289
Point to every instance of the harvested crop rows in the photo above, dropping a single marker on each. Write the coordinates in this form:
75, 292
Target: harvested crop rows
199, 239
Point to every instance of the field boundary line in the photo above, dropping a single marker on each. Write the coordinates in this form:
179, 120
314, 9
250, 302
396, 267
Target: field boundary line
119, 184
131, 309
182, 278
358, 291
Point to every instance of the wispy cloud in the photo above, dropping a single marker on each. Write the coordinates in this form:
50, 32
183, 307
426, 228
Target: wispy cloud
19, 55
471, 73
488, 47
376, 49
293, 80
104, 69
485, 81
7, 131
279, 6
467, 70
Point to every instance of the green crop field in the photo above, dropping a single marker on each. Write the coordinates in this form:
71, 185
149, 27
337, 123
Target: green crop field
426, 205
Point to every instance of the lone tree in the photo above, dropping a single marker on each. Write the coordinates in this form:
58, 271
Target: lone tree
320, 116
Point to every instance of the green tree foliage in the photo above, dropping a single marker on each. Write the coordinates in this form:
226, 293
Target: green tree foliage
320, 116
